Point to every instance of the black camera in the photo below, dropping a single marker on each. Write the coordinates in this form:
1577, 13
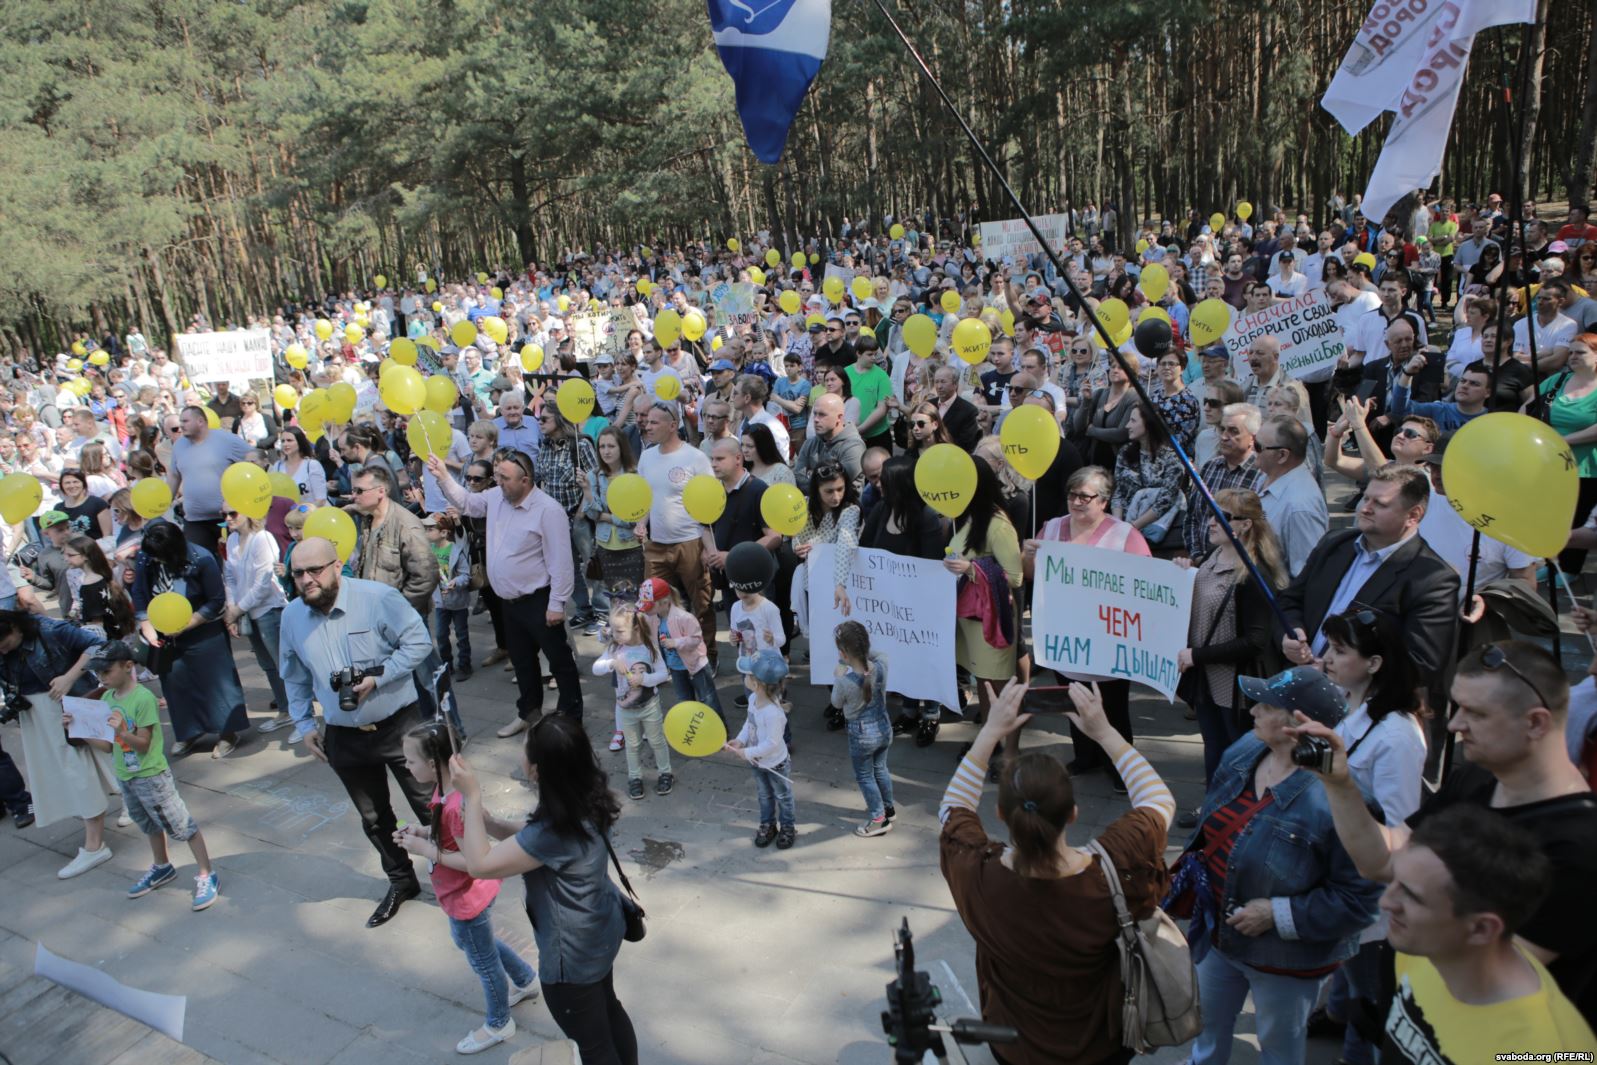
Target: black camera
1311, 752
343, 682
14, 703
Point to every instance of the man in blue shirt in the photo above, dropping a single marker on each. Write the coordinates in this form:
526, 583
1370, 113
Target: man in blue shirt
341, 624
515, 431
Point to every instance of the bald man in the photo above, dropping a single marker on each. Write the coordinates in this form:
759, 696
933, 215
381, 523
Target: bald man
832, 441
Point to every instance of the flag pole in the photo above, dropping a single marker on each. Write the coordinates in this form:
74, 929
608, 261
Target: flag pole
1109, 344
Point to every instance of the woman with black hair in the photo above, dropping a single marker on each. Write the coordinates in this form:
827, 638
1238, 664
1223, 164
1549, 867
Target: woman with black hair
299, 463
198, 677
561, 853
761, 456
1148, 479
834, 518
986, 547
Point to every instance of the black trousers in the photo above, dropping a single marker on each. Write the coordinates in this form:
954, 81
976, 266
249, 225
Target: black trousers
496, 614
13, 791
206, 534
1116, 696
363, 761
527, 632
591, 1016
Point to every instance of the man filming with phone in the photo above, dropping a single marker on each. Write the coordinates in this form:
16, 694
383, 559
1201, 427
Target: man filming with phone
354, 646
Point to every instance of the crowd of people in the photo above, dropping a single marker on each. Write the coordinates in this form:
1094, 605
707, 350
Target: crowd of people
1397, 824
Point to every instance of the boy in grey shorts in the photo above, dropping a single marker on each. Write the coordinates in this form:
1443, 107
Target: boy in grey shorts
148, 788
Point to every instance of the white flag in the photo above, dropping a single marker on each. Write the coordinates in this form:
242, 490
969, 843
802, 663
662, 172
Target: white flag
1409, 57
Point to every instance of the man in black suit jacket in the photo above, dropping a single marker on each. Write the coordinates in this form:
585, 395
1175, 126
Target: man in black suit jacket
1382, 564
959, 416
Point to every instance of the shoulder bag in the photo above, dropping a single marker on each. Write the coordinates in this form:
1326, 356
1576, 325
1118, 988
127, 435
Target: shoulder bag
1160, 1007
630, 909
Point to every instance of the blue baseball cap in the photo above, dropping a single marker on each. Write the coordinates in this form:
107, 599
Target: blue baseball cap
768, 667
1301, 688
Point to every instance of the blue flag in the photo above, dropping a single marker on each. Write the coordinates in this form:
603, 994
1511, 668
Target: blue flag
773, 49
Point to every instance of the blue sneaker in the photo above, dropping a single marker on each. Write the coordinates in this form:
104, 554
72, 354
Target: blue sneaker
205, 891
153, 878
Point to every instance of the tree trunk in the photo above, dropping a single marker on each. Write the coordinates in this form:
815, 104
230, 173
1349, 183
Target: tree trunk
1579, 179
1531, 103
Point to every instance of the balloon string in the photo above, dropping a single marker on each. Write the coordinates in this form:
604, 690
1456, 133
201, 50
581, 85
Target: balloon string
1563, 582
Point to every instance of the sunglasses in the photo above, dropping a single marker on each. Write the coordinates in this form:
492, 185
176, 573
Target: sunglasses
828, 471
299, 573
922, 423
1410, 433
1494, 658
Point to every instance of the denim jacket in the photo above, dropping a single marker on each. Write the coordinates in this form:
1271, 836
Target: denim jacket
35, 663
612, 533
1288, 853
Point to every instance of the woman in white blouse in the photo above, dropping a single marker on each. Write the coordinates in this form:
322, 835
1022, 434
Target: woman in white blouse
255, 601
299, 463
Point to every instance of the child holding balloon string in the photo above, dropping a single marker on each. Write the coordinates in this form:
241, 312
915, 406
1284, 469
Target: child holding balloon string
681, 644
760, 743
634, 659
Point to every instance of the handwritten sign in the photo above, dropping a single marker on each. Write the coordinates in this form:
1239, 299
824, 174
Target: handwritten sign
907, 606
91, 719
237, 356
1014, 239
1110, 615
1306, 326
734, 303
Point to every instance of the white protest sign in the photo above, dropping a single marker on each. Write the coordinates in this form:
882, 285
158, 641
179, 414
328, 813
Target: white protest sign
164, 1013
907, 606
91, 719
1311, 338
733, 303
1014, 238
1108, 614
238, 356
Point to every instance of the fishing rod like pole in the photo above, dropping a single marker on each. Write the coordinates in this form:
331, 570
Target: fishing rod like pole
1135, 378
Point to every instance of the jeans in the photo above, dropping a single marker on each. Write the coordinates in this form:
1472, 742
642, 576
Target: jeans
263, 641
638, 722
494, 962
1219, 728
591, 1016
1281, 1006
442, 621
869, 737
776, 794
581, 550
700, 686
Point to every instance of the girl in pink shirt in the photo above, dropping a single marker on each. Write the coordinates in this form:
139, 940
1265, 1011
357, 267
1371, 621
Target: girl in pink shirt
467, 902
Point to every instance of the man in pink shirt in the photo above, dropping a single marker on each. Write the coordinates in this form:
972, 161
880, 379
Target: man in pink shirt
530, 570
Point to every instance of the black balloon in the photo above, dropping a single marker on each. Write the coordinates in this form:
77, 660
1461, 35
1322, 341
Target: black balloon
749, 567
1153, 337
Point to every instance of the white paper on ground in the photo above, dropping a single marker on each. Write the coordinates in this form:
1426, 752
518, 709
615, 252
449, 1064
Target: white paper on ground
164, 1013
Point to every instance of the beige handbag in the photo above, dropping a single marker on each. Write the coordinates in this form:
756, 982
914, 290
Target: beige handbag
1160, 1008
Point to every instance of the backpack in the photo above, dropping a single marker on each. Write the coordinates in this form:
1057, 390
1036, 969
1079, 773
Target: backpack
1161, 984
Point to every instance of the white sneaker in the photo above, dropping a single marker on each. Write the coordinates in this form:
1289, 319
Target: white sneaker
483, 1038
85, 861
522, 994
124, 819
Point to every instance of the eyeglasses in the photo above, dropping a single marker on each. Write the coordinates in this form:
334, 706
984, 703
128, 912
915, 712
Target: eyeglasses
827, 471
299, 573
230, 515
1083, 497
1410, 432
1494, 658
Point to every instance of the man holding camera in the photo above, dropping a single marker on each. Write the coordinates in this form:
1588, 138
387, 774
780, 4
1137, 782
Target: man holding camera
354, 646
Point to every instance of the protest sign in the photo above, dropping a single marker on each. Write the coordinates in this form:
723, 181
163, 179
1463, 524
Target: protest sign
1013, 238
734, 303
588, 333
1111, 615
238, 356
1306, 325
622, 322
907, 606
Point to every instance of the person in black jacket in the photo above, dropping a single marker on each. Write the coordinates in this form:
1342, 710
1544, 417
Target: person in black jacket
960, 418
1382, 564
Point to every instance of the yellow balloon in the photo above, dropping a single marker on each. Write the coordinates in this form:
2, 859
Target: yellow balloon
1030, 436
79, 349
971, 340
789, 301
531, 358
497, 293
382, 282
694, 325
668, 386
442, 395
1007, 320
628, 497
575, 400
950, 302
1142, 246
496, 329
920, 334
354, 333
429, 434
99, 358
732, 244
814, 319
704, 498
715, 342
1154, 282
313, 410
798, 260
404, 390
1217, 222
896, 232
756, 275
211, 419
646, 251
438, 308
331, 523
482, 277
1155, 313
74, 365
563, 302
384, 368
867, 331
296, 356
1114, 314
644, 286
286, 396
1209, 321
945, 477
169, 613
21, 494
784, 509
1244, 210
814, 258
247, 489
341, 402
773, 257
861, 287
832, 289
667, 327
283, 486
428, 342
324, 329
432, 286
151, 497
1515, 479
694, 730
403, 351
463, 333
